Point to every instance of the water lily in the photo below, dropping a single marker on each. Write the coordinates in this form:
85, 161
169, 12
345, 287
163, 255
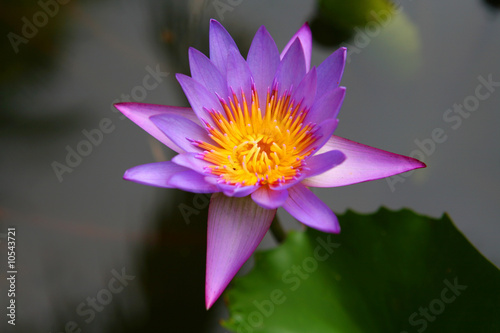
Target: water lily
258, 134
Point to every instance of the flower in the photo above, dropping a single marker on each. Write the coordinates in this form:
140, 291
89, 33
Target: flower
259, 133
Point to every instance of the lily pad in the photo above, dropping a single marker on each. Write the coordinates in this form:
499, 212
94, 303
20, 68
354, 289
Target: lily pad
386, 272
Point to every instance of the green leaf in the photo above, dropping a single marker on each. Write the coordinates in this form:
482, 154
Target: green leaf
386, 272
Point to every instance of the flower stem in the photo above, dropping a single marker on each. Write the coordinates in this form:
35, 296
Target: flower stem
277, 230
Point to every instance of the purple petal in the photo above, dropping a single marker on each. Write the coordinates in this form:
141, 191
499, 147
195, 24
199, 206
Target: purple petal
139, 113
325, 131
199, 97
181, 131
205, 72
220, 42
306, 91
327, 106
191, 161
154, 174
236, 226
363, 163
268, 198
237, 191
330, 71
291, 69
239, 77
191, 181
306, 207
305, 36
321, 163
263, 59
288, 184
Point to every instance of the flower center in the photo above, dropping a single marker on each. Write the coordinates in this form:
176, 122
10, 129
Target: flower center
251, 148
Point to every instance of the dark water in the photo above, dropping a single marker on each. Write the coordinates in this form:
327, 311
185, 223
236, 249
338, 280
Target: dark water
103, 255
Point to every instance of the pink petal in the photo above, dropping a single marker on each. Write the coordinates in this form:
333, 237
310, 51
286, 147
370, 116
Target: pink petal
321, 163
363, 163
154, 174
268, 198
191, 181
330, 71
306, 207
139, 113
305, 36
263, 59
181, 131
236, 226
220, 42
205, 72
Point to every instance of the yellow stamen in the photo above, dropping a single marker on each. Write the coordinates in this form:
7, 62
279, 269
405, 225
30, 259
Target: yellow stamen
250, 148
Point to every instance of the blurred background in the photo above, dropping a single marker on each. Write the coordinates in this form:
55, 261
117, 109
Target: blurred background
100, 254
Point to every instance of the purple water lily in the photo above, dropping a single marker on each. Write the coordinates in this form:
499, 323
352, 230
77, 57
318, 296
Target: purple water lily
259, 133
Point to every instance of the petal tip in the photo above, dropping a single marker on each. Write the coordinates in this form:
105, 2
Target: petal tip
419, 164
333, 230
214, 23
126, 175
180, 76
304, 29
127, 106
210, 299
412, 163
